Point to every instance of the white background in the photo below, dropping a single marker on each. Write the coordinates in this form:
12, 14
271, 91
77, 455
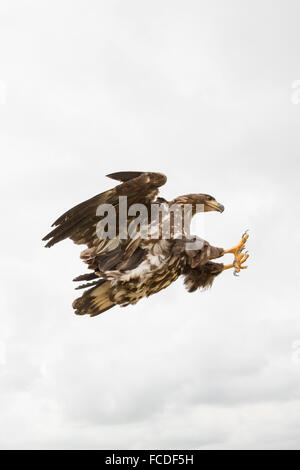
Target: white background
199, 90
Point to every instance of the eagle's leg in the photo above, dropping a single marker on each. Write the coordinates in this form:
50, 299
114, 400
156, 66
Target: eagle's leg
239, 256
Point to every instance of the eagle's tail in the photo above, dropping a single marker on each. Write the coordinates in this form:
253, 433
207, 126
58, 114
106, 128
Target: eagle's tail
95, 300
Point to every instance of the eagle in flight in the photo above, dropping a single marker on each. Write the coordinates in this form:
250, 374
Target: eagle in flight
124, 269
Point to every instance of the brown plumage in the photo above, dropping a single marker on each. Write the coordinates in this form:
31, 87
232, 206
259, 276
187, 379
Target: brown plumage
126, 270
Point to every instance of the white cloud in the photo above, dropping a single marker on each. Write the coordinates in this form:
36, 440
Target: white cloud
193, 92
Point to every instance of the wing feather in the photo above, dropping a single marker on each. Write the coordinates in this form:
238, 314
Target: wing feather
79, 223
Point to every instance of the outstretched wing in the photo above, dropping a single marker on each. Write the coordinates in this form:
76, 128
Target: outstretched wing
79, 223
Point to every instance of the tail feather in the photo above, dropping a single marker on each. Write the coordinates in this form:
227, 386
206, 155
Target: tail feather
95, 300
86, 277
88, 284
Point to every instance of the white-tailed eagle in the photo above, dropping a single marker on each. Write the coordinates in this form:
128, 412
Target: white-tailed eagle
124, 269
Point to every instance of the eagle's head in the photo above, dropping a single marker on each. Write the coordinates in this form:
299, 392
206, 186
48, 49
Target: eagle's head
208, 202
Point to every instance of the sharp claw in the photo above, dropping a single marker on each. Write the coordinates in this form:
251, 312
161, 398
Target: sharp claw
240, 254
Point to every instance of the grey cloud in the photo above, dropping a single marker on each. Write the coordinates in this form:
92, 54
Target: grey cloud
203, 93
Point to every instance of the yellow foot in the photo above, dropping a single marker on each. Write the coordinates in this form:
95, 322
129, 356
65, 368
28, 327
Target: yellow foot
239, 256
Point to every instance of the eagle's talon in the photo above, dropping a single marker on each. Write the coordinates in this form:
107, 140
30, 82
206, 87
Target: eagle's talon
240, 256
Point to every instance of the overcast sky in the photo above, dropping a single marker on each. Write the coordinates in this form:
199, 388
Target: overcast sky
199, 90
